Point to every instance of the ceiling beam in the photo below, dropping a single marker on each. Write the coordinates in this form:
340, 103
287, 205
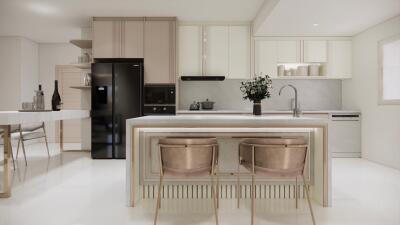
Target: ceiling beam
263, 14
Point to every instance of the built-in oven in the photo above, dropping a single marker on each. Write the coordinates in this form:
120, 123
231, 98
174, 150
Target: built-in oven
159, 99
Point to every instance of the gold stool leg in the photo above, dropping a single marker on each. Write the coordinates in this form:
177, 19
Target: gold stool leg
218, 192
214, 199
158, 204
296, 194
252, 199
308, 199
16, 156
238, 181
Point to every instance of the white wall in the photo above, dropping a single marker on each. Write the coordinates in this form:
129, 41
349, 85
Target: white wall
29, 69
50, 55
19, 71
380, 123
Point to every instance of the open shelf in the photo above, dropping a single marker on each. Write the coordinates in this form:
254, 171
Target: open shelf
82, 65
82, 87
307, 78
83, 44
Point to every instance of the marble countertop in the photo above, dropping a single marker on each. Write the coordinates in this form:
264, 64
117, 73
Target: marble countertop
15, 117
223, 120
265, 112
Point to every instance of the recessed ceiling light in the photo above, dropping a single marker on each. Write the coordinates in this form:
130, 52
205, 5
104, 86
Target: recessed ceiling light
43, 8
315, 24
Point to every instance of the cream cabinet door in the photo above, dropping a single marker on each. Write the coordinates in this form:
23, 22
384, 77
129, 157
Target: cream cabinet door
217, 50
159, 52
190, 44
71, 98
106, 39
239, 52
265, 57
315, 51
132, 43
289, 51
339, 59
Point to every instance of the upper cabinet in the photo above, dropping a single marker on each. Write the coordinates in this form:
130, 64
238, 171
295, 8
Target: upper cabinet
288, 51
190, 50
106, 38
339, 59
214, 50
159, 51
298, 57
151, 38
315, 51
132, 39
239, 52
114, 38
265, 57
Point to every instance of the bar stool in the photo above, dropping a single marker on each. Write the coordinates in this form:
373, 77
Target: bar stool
275, 158
187, 157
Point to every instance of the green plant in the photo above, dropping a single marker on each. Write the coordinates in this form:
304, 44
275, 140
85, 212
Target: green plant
257, 89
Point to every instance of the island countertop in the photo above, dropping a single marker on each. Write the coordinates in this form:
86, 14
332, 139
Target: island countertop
223, 120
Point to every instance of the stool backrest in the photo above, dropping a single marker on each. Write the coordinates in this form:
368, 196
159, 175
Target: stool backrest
187, 156
275, 156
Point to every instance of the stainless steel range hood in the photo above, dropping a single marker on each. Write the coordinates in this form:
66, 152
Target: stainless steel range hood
202, 78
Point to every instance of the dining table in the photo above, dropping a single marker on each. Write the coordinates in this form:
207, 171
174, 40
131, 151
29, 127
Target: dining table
10, 118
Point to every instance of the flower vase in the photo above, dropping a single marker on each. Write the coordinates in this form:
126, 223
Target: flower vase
257, 107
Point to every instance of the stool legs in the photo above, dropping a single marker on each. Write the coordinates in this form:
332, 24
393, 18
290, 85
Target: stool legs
252, 199
238, 180
296, 194
158, 204
215, 197
308, 199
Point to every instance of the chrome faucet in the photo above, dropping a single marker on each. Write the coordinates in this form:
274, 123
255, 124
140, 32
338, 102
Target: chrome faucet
296, 110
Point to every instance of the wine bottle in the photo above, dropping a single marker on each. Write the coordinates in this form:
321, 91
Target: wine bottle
56, 99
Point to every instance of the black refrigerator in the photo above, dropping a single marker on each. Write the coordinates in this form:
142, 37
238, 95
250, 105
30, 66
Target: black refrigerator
117, 95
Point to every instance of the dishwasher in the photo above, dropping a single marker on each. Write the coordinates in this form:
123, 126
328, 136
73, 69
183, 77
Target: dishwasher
344, 135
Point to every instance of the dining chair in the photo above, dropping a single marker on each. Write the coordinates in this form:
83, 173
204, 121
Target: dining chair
30, 132
275, 158
187, 157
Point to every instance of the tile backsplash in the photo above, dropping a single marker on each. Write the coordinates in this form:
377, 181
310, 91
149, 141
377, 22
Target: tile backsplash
312, 94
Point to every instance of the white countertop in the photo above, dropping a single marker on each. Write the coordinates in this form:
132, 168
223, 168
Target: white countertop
15, 117
265, 112
223, 120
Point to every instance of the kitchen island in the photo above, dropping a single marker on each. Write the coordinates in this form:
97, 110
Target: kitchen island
142, 160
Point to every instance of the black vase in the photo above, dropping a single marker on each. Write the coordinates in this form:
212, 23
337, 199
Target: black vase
257, 107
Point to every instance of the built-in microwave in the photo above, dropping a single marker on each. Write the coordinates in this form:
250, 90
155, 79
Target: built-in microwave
159, 99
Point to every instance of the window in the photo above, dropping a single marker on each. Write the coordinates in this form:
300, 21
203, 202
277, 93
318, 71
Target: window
390, 70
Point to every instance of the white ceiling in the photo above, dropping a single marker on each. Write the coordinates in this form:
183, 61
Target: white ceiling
334, 17
60, 20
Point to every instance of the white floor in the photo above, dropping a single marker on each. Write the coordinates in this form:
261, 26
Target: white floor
72, 189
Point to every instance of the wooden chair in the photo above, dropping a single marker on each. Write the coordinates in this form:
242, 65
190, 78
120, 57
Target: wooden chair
187, 157
30, 132
275, 158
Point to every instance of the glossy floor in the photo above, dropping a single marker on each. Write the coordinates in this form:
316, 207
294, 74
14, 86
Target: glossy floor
72, 189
